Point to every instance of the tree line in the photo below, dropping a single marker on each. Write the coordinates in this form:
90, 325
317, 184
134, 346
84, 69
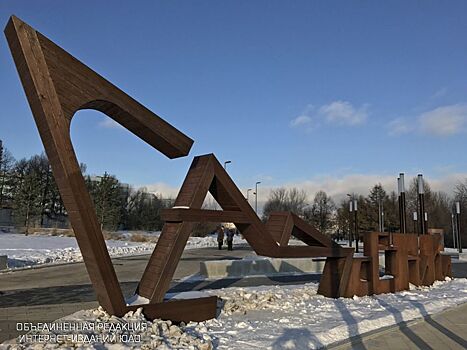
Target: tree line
28, 189
337, 220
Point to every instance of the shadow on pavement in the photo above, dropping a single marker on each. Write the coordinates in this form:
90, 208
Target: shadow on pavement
352, 325
296, 338
428, 319
402, 325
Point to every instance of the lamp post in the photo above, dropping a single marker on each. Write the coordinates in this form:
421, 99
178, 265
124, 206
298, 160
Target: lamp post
350, 219
414, 217
379, 213
356, 224
256, 196
421, 203
402, 210
453, 231
225, 164
426, 222
382, 216
400, 202
458, 219
248, 194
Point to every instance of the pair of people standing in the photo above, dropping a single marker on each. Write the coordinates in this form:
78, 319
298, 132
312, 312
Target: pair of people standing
225, 232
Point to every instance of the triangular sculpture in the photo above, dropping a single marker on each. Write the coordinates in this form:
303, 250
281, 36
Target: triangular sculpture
205, 175
57, 85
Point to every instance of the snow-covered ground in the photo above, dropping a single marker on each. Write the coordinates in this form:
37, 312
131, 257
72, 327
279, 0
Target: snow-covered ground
32, 250
278, 317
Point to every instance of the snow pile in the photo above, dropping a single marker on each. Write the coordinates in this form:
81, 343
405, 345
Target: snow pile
288, 317
210, 241
295, 317
37, 249
23, 251
99, 329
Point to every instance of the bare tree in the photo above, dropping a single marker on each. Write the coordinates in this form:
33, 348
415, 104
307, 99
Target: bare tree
281, 199
322, 213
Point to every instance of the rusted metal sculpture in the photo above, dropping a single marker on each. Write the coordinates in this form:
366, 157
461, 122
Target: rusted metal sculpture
408, 259
57, 85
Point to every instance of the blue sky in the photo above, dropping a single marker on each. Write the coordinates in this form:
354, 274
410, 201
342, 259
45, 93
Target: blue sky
302, 93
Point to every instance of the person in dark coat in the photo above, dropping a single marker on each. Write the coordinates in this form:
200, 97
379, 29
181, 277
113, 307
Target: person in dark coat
220, 236
230, 235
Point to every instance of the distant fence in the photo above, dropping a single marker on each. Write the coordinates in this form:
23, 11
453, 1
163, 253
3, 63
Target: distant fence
6, 217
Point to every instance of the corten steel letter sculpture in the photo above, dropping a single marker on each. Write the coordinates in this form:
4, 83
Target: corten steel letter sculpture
57, 85
408, 259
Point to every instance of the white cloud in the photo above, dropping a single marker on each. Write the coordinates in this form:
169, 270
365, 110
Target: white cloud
162, 189
441, 121
344, 113
444, 121
399, 126
109, 124
340, 113
301, 120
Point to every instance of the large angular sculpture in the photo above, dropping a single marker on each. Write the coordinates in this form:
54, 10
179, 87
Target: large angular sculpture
57, 85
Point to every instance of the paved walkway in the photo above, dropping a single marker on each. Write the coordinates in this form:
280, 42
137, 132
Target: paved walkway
446, 330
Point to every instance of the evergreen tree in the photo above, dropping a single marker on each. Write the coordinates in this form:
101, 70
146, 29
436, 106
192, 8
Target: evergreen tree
27, 193
109, 198
7, 163
144, 211
377, 199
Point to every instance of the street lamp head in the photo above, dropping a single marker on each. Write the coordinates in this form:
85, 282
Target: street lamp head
401, 176
258, 182
421, 190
